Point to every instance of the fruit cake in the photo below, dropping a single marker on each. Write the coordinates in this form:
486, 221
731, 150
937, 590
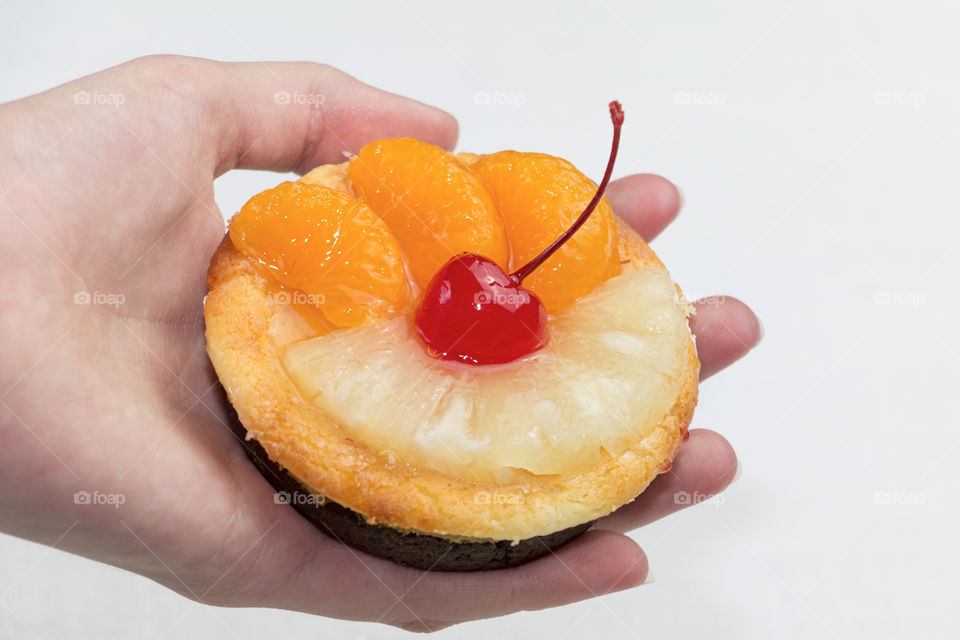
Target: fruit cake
456, 362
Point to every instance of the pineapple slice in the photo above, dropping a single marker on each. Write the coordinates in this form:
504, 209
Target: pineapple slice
610, 373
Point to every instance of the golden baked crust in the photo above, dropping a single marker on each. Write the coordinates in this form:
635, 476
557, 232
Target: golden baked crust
242, 341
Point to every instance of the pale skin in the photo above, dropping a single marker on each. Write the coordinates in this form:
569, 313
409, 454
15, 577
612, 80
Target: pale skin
120, 399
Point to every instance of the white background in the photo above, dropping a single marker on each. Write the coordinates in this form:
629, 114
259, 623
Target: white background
817, 144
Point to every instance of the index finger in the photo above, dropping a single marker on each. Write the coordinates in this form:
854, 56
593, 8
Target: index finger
293, 116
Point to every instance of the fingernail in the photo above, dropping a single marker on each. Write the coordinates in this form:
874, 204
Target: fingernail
762, 331
736, 475
683, 199
649, 577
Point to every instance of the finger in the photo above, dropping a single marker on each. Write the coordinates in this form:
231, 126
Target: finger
646, 202
726, 330
294, 116
705, 465
350, 584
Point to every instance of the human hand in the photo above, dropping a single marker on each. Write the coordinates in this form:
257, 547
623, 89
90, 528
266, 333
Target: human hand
108, 188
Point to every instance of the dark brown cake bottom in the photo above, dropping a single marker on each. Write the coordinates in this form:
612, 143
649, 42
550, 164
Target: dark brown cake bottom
421, 551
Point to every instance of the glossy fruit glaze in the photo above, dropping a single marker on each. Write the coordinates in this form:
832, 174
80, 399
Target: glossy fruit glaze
473, 312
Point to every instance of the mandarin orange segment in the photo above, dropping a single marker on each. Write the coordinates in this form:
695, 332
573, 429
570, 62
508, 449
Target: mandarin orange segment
432, 203
539, 197
327, 249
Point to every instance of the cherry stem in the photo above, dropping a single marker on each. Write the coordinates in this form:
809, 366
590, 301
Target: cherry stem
616, 115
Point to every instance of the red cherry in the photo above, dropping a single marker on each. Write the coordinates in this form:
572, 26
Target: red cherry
472, 311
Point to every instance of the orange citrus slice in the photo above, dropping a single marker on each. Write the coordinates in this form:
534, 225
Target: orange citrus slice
329, 248
539, 197
433, 204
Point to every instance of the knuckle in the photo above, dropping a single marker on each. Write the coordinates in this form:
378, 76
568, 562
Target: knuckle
182, 75
162, 62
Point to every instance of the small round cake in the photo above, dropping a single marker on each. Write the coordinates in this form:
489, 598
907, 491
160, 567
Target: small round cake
447, 463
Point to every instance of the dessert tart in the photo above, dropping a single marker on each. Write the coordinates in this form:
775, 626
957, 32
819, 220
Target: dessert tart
416, 399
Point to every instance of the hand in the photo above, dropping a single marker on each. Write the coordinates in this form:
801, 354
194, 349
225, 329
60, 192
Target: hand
107, 225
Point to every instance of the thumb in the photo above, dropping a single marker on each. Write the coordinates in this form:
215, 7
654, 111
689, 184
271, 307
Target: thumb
293, 116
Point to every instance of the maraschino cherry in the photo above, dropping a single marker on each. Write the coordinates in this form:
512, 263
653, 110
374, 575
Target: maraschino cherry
473, 312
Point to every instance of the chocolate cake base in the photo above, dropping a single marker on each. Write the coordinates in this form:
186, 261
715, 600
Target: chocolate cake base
421, 551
